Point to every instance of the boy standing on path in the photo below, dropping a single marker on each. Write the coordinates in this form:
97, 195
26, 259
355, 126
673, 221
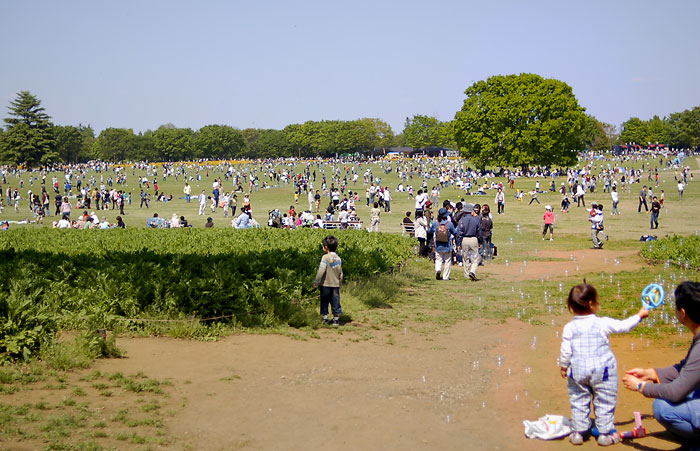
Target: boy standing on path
329, 277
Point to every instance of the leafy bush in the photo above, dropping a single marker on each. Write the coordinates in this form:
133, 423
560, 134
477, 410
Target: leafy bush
24, 320
674, 250
89, 279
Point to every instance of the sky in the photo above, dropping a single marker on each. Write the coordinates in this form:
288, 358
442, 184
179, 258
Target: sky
266, 64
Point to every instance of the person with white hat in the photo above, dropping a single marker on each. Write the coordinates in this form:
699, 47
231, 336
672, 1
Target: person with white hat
548, 223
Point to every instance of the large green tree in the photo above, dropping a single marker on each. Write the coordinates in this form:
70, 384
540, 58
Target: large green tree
219, 141
270, 144
29, 139
519, 120
144, 148
634, 130
684, 128
172, 143
74, 144
593, 134
115, 144
421, 131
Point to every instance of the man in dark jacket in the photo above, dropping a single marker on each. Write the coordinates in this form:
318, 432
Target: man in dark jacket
468, 238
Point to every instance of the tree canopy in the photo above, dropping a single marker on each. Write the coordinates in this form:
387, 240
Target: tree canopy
513, 120
520, 120
28, 139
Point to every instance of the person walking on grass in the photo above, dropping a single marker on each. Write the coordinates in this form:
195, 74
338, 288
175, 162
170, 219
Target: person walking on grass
643, 200
202, 202
655, 210
548, 223
596, 218
443, 231
374, 218
615, 200
468, 238
501, 199
329, 277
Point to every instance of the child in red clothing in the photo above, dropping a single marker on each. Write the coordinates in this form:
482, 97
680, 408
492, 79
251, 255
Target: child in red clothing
548, 223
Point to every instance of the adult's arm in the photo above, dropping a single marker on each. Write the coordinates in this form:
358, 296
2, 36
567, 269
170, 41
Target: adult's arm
677, 381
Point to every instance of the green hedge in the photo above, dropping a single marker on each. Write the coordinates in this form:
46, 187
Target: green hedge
681, 251
261, 277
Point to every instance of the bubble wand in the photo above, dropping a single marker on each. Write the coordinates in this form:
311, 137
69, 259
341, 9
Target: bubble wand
652, 296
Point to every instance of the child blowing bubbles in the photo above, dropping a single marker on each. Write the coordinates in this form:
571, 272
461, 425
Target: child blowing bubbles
588, 361
329, 277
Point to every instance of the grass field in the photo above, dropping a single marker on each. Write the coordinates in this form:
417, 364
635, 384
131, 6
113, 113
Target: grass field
382, 309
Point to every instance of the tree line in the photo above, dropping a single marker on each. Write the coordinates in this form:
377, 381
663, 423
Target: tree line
30, 138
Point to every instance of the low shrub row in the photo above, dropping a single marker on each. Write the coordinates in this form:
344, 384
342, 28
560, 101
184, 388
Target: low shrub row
92, 278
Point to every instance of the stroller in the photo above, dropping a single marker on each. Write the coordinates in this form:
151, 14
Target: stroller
275, 219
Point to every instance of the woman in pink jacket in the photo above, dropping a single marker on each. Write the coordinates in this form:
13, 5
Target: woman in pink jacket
548, 223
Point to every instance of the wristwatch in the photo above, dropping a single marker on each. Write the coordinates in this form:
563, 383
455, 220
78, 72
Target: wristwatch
639, 387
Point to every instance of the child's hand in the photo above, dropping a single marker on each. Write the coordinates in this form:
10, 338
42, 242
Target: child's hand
643, 312
563, 371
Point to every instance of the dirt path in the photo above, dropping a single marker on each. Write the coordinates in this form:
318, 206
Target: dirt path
565, 264
442, 392
468, 387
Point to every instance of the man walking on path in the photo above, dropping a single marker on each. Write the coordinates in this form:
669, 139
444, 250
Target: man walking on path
643, 200
202, 202
468, 237
443, 231
188, 191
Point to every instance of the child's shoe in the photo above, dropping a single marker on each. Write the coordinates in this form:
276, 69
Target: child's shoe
576, 438
608, 439
335, 322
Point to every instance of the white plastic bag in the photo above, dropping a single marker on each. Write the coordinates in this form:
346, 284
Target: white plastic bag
548, 427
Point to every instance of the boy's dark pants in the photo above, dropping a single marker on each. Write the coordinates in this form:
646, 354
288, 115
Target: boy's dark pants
330, 295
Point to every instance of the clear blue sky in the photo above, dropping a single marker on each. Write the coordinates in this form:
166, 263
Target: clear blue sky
266, 64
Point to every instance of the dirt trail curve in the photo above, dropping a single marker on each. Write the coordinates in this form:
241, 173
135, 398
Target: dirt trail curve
397, 390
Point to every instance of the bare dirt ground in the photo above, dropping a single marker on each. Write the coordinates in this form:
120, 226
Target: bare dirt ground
565, 264
395, 390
